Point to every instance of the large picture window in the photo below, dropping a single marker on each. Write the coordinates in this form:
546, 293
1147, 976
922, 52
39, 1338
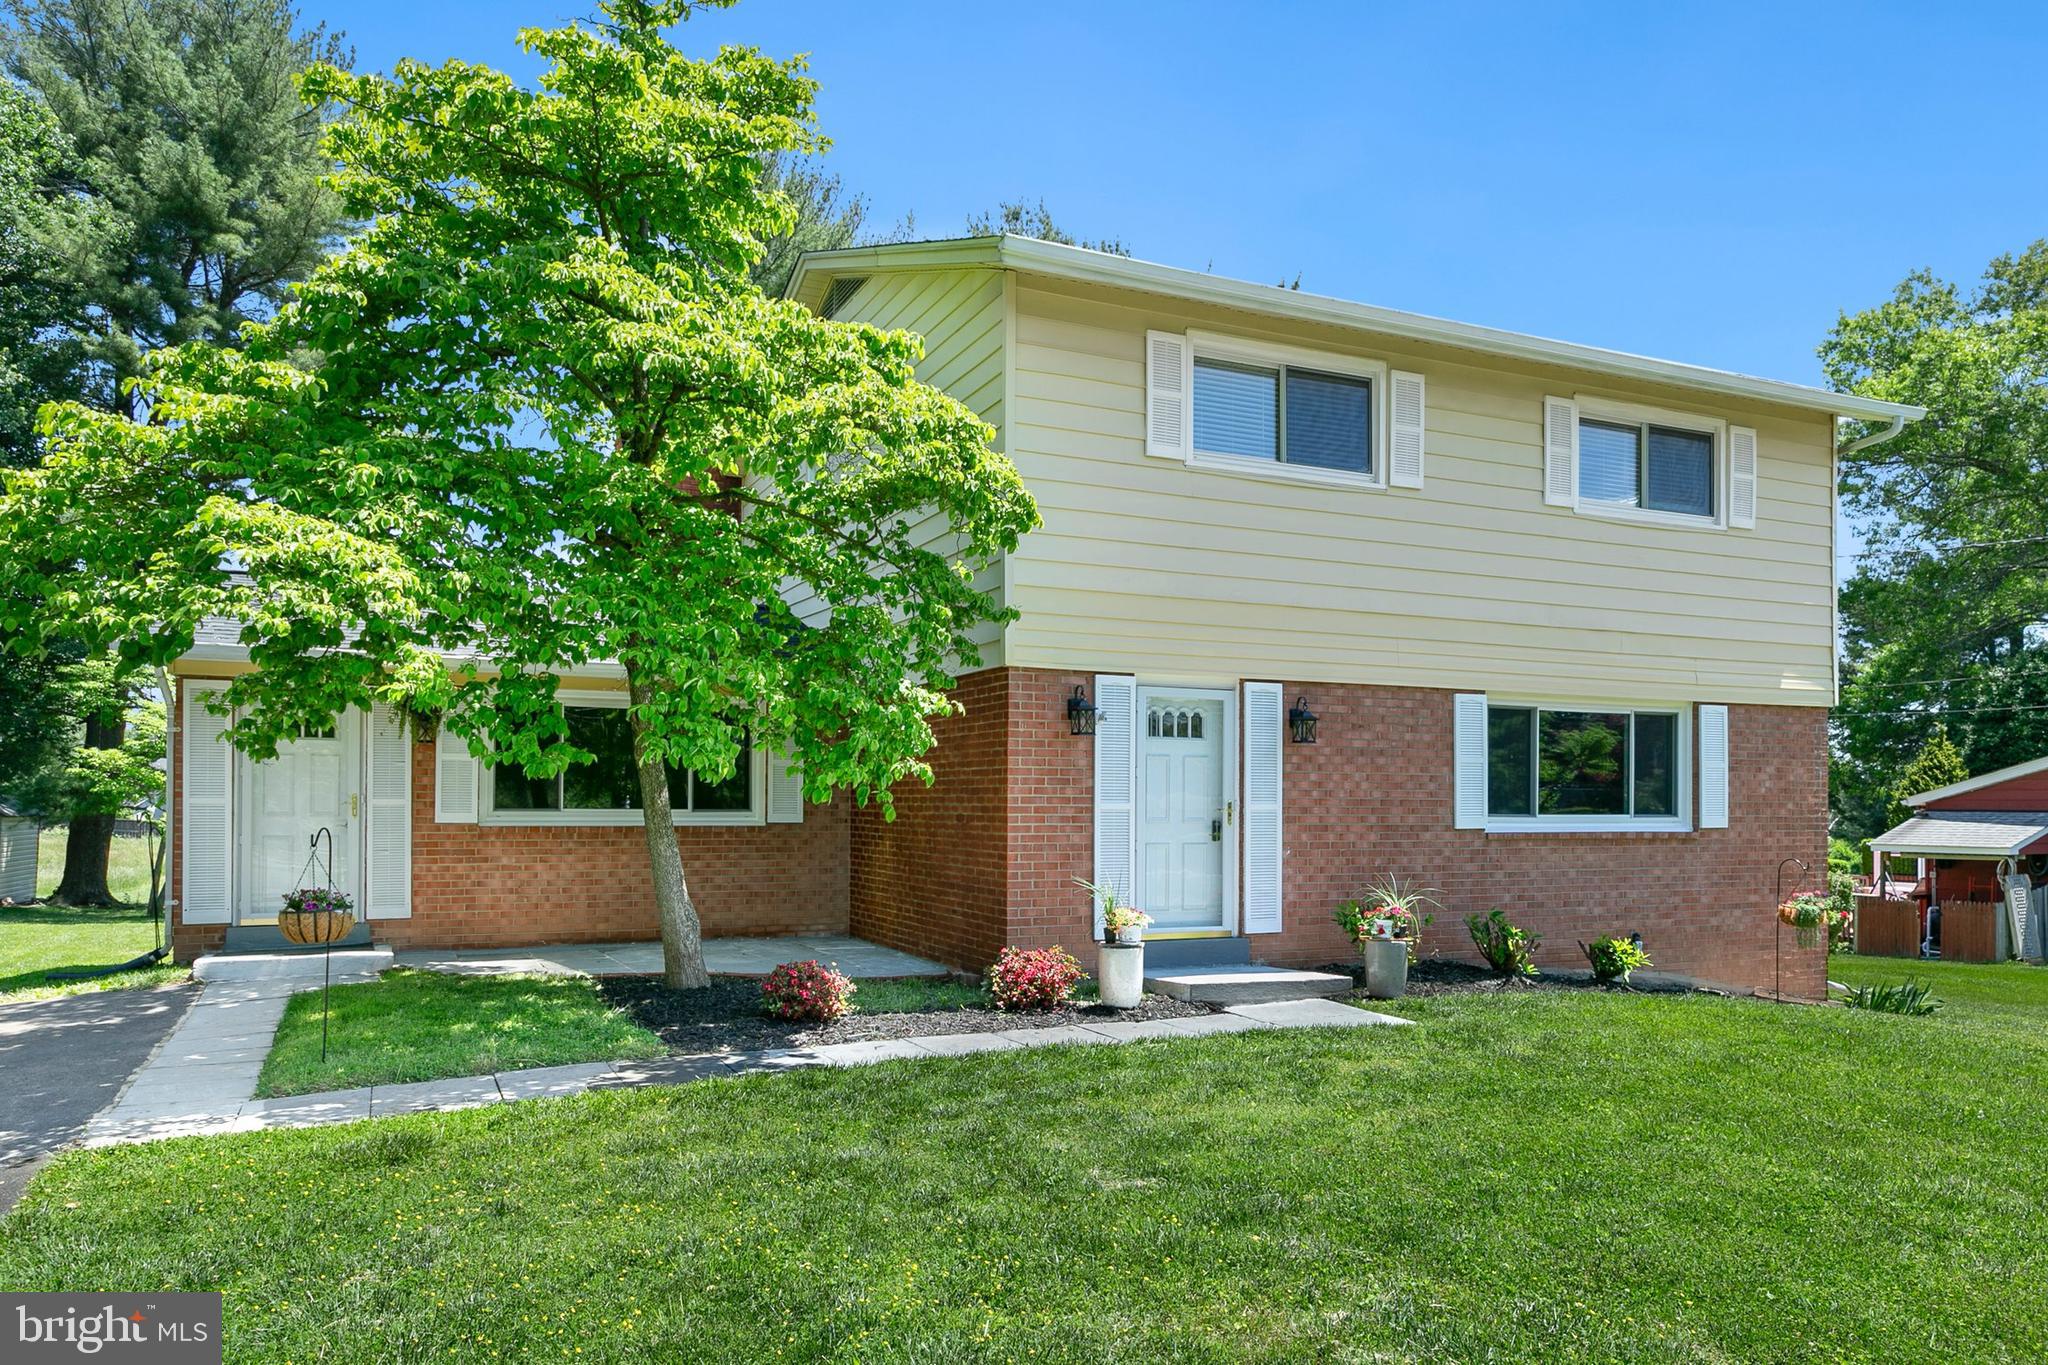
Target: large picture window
610, 783
1559, 762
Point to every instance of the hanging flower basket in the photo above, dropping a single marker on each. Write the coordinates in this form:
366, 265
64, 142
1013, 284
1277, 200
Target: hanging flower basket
316, 914
1806, 915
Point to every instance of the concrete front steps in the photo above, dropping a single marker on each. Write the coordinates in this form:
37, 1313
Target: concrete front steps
302, 967
1246, 983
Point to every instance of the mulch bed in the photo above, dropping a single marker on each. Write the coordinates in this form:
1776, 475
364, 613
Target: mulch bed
726, 1017
1441, 976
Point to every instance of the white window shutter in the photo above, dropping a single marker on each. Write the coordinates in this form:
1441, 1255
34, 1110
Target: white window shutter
455, 780
387, 881
1169, 381
206, 806
1404, 406
1116, 775
1713, 767
785, 792
1741, 476
1560, 452
1264, 732
1468, 741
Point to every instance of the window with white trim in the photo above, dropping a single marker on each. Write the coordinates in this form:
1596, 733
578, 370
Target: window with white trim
611, 783
1647, 465
1287, 414
1585, 766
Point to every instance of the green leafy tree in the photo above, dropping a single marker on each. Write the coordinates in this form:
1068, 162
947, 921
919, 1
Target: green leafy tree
1943, 618
824, 218
178, 192
39, 360
1938, 764
1020, 218
539, 415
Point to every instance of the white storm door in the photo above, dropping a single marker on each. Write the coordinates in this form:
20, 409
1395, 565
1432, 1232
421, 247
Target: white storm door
1186, 824
312, 784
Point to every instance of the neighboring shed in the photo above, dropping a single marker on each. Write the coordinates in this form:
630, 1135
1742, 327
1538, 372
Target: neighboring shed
17, 855
1982, 839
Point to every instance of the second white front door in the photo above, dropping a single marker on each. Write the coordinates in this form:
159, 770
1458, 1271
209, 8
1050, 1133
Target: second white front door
1186, 819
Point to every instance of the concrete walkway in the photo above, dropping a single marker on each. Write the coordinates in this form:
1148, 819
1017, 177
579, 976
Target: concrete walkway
722, 957
226, 1112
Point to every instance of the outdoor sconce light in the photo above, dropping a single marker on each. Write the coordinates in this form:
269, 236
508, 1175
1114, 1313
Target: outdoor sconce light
1080, 712
1302, 721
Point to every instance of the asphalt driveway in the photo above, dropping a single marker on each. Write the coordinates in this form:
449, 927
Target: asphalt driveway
63, 1060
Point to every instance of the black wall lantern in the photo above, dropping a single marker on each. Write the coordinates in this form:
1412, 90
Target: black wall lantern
1302, 721
1080, 712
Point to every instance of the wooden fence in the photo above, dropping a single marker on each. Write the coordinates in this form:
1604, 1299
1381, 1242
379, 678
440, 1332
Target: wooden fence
1969, 931
1887, 928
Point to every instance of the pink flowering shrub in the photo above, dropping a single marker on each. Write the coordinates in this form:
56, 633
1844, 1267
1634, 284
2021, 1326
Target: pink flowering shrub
807, 990
1038, 979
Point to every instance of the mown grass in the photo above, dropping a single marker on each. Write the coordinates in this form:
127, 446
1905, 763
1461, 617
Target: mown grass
35, 939
127, 866
1539, 1175
420, 1026
2008, 992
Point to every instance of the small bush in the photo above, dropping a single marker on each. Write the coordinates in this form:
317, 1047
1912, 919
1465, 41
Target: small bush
807, 990
1841, 912
1037, 979
1908, 997
1508, 949
1614, 957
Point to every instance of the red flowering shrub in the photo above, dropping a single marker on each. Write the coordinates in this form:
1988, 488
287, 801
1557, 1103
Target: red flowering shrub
1035, 980
807, 990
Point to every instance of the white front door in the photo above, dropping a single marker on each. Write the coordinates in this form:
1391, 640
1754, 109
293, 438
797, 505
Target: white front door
1186, 820
312, 785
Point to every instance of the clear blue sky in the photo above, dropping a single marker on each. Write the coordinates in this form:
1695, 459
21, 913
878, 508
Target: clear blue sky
1703, 183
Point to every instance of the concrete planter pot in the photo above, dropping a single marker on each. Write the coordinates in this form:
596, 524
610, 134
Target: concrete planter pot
1129, 934
1386, 968
1120, 974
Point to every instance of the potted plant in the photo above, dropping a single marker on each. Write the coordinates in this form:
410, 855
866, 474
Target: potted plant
1120, 967
316, 914
1121, 922
1807, 916
1385, 922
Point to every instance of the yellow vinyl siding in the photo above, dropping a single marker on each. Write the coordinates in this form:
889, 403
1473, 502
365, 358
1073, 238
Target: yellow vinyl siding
963, 317
1149, 566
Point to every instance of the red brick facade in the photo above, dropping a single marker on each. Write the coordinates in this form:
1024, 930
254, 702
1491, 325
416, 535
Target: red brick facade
1373, 795
987, 855
479, 886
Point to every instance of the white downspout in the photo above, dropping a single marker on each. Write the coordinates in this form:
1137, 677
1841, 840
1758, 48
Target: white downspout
1877, 438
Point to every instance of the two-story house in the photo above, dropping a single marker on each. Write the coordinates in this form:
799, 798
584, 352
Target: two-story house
1323, 591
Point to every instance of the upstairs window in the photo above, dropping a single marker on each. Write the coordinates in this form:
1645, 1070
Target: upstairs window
1283, 413
1644, 465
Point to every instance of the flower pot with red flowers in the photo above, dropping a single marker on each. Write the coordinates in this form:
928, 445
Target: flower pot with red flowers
1385, 922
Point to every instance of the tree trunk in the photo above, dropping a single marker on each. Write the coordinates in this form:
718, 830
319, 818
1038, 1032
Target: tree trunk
682, 937
90, 840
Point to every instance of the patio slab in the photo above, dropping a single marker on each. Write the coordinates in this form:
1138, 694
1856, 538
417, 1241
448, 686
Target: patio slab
722, 957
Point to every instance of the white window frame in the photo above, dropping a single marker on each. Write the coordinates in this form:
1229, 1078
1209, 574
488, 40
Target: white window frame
757, 791
1216, 346
1679, 823
1616, 412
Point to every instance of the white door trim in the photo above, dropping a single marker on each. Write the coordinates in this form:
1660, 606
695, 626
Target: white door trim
1232, 797
353, 731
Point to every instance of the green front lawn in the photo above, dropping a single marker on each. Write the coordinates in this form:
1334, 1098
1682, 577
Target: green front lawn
2007, 992
36, 938
127, 866
1539, 1175
421, 1026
